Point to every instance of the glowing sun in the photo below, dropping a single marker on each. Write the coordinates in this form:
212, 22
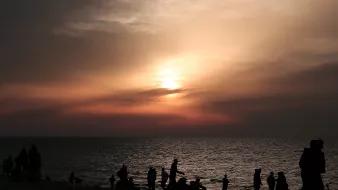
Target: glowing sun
168, 79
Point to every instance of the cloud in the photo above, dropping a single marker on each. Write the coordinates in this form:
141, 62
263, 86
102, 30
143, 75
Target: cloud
62, 41
51, 122
137, 97
308, 109
244, 60
61, 99
298, 104
31, 52
124, 112
319, 80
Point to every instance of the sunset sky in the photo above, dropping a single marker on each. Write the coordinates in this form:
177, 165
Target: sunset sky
175, 67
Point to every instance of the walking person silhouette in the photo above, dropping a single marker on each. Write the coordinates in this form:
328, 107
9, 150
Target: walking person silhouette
173, 172
312, 164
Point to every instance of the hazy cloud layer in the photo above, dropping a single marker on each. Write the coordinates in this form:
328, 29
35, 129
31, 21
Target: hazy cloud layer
245, 66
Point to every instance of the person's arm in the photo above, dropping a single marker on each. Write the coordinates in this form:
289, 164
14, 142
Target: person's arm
180, 172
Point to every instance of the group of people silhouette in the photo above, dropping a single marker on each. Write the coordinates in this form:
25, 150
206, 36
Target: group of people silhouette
126, 183
312, 164
25, 167
279, 184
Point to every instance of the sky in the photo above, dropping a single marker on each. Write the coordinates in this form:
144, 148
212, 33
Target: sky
168, 67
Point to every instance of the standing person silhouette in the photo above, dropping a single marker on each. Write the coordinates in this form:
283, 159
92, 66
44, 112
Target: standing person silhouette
123, 173
151, 177
257, 179
21, 166
271, 181
165, 176
71, 178
225, 182
34, 163
281, 182
112, 181
312, 164
173, 172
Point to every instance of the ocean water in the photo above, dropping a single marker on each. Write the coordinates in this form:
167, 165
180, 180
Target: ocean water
95, 159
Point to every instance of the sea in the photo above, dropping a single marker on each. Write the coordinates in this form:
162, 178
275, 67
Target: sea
96, 159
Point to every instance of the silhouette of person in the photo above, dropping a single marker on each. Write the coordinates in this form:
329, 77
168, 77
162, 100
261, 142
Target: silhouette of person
225, 182
148, 177
71, 178
74, 180
34, 163
123, 173
130, 184
181, 185
173, 172
7, 166
22, 160
312, 164
112, 181
165, 177
281, 182
271, 181
257, 179
196, 185
48, 178
21, 165
151, 177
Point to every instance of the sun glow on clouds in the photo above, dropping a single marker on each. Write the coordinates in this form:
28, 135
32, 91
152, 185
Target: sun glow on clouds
169, 79
176, 72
